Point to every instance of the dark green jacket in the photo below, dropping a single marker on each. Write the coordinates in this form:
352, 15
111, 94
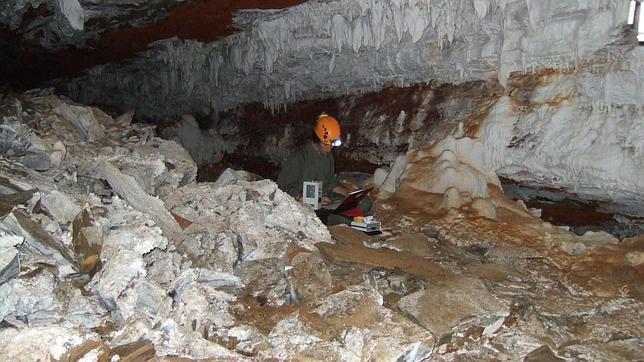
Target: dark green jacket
306, 164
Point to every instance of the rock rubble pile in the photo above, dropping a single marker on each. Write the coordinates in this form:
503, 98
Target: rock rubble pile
110, 249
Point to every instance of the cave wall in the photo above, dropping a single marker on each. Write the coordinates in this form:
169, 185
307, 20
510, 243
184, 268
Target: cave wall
578, 129
323, 49
376, 126
552, 88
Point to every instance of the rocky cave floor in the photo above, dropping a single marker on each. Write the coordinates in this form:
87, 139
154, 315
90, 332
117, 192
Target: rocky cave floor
112, 251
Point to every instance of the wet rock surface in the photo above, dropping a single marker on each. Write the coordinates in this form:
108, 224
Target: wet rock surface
113, 251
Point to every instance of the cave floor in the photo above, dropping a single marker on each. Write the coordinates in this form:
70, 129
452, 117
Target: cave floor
489, 288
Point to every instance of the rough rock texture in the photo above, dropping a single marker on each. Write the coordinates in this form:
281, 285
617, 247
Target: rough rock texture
204, 146
578, 131
464, 296
395, 42
254, 214
249, 273
70, 22
105, 263
559, 104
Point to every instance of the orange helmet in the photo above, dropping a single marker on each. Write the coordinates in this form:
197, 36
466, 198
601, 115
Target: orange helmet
328, 130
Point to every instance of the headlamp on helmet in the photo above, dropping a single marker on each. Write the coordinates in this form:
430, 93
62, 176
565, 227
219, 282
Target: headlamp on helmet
327, 129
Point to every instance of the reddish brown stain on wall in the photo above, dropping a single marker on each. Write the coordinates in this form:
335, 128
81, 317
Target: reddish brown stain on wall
198, 20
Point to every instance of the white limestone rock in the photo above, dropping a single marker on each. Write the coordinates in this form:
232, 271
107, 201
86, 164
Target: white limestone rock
634, 258
162, 266
210, 246
452, 199
354, 319
43, 343
24, 178
203, 308
580, 132
144, 298
128, 188
392, 181
58, 154
452, 163
264, 218
247, 339
83, 311
267, 280
484, 207
444, 40
119, 273
173, 340
290, 337
592, 238
205, 146
158, 165
380, 175
38, 241
60, 207
128, 229
230, 176
220, 280
83, 119
30, 301
9, 257
309, 277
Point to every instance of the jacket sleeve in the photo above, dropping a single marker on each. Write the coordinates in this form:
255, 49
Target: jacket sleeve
290, 177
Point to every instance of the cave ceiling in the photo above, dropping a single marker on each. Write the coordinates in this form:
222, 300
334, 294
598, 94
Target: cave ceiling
165, 58
47, 39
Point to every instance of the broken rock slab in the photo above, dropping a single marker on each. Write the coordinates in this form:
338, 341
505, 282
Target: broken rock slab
203, 308
309, 276
173, 340
83, 119
38, 241
36, 161
266, 280
30, 301
48, 342
60, 206
230, 176
127, 188
158, 165
9, 257
447, 301
82, 311
348, 326
163, 266
265, 219
213, 246
118, 275
205, 146
130, 229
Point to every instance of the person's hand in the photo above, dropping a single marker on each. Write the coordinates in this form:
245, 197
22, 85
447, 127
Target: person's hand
326, 200
298, 198
343, 190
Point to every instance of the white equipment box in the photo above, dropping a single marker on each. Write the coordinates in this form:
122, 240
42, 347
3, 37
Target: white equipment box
312, 194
